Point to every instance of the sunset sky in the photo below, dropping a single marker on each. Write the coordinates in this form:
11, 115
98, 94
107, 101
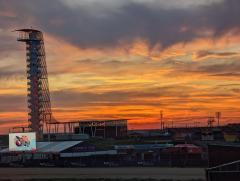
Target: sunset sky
125, 59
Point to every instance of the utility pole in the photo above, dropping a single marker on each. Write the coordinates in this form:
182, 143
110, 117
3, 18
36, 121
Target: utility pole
161, 120
218, 116
196, 124
210, 122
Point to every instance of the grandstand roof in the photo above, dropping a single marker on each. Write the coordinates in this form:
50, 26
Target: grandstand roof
51, 147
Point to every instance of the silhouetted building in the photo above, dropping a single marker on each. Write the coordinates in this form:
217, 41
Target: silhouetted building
103, 128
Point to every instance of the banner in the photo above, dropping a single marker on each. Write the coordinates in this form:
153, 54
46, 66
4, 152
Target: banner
22, 141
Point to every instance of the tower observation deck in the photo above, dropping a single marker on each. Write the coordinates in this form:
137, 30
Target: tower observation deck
39, 103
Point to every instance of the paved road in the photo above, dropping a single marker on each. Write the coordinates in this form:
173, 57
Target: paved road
126, 173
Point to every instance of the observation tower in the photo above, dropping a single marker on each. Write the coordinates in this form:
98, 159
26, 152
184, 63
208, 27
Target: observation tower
39, 103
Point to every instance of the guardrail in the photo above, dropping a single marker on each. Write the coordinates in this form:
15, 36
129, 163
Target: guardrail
229, 171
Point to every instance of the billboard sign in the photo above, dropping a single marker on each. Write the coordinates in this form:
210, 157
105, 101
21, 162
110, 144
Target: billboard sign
22, 141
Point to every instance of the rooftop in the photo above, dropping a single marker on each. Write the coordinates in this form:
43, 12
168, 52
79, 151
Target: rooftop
51, 147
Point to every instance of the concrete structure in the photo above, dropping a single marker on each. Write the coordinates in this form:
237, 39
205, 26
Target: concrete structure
113, 128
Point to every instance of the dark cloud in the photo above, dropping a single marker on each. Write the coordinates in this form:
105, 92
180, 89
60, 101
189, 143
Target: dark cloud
168, 96
205, 54
13, 103
226, 68
87, 28
12, 122
232, 75
221, 66
236, 90
11, 73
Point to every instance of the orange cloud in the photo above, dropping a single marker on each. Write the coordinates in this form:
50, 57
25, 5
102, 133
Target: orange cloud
135, 82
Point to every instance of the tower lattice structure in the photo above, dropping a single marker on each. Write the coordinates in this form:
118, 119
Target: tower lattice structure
39, 103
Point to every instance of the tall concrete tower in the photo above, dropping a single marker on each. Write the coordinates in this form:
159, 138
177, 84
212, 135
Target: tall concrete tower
37, 80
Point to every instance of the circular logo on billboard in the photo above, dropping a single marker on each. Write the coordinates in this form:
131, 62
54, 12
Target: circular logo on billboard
22, 141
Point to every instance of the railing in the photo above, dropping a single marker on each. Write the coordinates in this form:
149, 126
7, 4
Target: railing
30, 36
228, 171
